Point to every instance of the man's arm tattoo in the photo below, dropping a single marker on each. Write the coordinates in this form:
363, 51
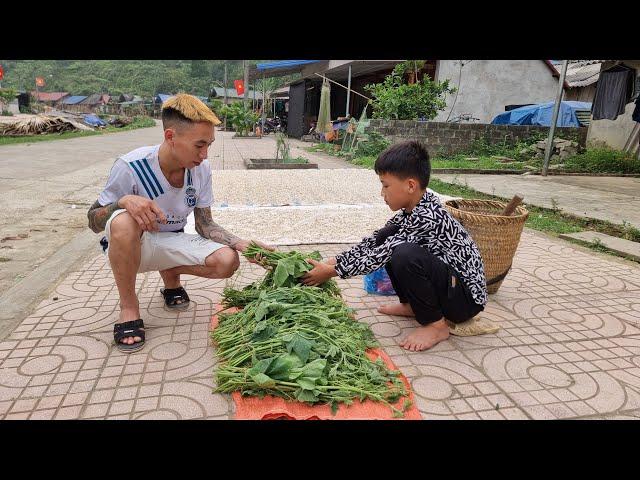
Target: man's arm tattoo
98, 215
207, 228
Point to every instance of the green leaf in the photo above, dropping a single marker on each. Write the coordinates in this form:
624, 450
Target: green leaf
314, 369
261, 311
264, 333
280, 274
306, 396
261, 367
281, 366
306, 384
263, 380
300, 346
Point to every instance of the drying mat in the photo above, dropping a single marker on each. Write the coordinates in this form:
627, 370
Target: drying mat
276, 408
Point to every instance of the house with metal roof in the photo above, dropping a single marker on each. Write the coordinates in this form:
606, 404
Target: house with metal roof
73, 99
582, 78
49, 98
304, 93
232, 94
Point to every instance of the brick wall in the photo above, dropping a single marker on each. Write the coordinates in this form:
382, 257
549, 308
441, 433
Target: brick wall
449, 138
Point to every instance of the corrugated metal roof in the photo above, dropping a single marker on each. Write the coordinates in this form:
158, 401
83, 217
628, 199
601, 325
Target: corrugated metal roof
231, 93
94, 99
74, 99
163, 97
283, 64
588, 62
581, 74
49, 96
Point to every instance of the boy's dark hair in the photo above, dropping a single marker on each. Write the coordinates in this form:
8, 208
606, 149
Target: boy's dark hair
404, 160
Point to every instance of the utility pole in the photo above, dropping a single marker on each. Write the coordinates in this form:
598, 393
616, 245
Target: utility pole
245, 67
556, 109
225, 93
346, 113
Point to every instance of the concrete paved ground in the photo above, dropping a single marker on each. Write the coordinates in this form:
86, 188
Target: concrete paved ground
46, 189
615, 199
569, 347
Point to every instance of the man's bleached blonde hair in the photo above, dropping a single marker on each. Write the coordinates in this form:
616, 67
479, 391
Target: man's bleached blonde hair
184, 109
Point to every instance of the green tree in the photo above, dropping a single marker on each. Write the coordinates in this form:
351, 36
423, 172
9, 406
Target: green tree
396, 99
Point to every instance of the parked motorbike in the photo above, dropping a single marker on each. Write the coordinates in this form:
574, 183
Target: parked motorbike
271, 125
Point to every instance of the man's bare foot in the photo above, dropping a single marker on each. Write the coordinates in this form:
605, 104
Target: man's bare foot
426, 336
126, 315
401, 309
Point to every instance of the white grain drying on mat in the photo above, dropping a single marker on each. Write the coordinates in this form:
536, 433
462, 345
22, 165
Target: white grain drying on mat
307, 187
292, 207
301, 225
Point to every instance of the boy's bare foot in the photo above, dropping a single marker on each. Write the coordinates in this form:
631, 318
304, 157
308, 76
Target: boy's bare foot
401, 309
427, 336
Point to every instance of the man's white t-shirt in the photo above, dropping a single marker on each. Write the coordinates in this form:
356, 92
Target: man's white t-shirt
138, 173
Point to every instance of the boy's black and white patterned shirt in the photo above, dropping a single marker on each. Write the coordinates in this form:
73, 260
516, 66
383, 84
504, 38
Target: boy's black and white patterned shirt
431, 226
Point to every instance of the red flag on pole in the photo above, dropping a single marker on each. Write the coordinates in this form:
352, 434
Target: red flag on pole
239, 84
1, 72
40, 81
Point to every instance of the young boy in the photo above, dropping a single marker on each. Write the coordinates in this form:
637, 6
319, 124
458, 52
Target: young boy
434, 265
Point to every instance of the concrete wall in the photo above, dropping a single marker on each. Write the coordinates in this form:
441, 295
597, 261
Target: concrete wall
614, 133
447, 138
487, 86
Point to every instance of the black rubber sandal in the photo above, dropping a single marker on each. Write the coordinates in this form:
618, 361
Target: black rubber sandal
134, 328
172, 295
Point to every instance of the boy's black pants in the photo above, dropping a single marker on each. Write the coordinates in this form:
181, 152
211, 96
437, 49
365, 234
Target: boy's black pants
432, 288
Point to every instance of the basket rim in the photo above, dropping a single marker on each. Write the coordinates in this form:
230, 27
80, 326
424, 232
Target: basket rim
519, 212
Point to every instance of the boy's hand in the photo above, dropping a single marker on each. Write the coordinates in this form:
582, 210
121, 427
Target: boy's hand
320, 273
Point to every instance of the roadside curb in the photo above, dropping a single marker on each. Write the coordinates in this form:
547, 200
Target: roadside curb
18, 301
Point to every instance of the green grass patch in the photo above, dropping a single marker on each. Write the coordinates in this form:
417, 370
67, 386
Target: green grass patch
482, 163
548, 220
367, 162
138, 122
329, 148
603, 160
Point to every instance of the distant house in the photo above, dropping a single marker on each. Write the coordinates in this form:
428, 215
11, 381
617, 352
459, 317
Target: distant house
49, 98
612, 122
94, 102
125, 97
582, 78
162, 97
487, 88
304, 93
72, 103
232, 95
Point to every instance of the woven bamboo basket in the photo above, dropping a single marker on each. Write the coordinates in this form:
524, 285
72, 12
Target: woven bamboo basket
496, 235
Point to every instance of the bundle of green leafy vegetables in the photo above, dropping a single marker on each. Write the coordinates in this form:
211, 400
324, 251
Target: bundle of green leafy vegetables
297, 342
286, 268
302, 343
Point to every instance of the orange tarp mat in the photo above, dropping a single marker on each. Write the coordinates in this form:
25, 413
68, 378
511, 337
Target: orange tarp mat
272, 408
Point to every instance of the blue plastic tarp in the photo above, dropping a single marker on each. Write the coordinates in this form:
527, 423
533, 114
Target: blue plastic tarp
542, 114
94, 121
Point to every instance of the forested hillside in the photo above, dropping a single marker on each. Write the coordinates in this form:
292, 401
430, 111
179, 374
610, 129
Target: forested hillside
138, 77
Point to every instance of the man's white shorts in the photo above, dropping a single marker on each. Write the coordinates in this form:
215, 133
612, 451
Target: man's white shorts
163, 250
